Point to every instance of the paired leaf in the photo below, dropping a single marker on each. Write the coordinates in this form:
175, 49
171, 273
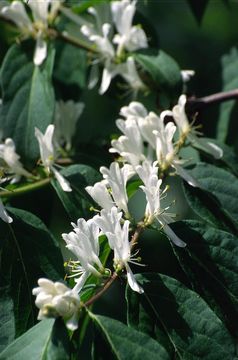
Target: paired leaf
46, 340
179, 318
127, 343
28, 99
77, 203
28, 252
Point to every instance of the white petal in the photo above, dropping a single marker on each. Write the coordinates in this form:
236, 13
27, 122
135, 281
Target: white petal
72, 323
207, 146
62, 181
132, 281
40, 51
173, 237
185, 175
106, 79
4, 215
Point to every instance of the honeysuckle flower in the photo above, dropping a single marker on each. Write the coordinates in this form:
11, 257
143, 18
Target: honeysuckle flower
100, 194
11, 160
4, 215
129, 37
83, 243
130, 146
117, 178
66, 117
187, 130
129, 73
152, 188
54, 299
118, 239
166, 153
42, 13
135, 109
47, 154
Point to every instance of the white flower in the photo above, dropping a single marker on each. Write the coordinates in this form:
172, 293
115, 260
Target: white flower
188, 131
152, 188
48, 154
83, 243
66, 117
11, 159
55, 299
4, 215
129, 37
135, 108
37, 28
165, 151
129, 73
100, 195
118, 239
130, 146
117, 178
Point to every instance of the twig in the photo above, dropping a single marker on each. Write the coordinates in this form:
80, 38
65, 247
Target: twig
195, 104
102, 291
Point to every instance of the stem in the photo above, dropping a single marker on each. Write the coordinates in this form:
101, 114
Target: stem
140, 227
196, 104
102, 291
70, 39
26, 188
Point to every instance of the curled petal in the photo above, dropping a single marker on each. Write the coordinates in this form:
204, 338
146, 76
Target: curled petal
173, 237
40, 51
61, 180
132, 281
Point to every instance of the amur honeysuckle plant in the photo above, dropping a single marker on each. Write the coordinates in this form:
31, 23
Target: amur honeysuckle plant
118, 215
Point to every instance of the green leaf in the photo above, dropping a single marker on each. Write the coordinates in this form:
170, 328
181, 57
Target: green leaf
192, 329
28, 252
128, 343
227, 124
70, 65
163, 71
45, 341
7, 321
198, 8
206, 207
210, 262
77, 203
222, 185
28, 99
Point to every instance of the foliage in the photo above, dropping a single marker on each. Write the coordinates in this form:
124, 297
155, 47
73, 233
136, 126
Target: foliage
100, 128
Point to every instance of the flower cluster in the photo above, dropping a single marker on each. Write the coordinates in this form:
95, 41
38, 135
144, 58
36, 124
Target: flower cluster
114, 39
43, 13
147, 151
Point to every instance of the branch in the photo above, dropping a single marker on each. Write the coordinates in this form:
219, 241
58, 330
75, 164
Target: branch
102, 291
195, 104
25, 188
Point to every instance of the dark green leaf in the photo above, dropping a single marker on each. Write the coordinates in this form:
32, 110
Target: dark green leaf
28, 252
70, 67
192, 328
163, 71
227, 124
210, 262
221, 184
128, 343
77, 203
198, 8
206, 207
7, 321
47, 340
28, 99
